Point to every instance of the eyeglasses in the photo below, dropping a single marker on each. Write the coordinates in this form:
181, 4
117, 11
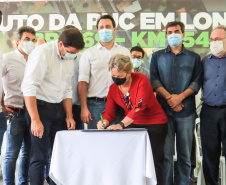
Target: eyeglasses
136, 57
128, 101
216, 39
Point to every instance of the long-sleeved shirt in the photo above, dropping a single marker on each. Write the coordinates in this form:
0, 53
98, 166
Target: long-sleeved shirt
140, 96
14, 65
214, 80
176, 73
75, 96
47, 76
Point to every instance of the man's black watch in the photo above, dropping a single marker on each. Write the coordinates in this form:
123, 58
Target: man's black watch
121, 124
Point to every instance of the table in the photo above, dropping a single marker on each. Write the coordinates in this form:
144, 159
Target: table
102, 158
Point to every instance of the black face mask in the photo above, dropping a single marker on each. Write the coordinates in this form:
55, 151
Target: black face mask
119, 81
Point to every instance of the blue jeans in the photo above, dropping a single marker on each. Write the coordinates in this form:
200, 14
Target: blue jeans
17, 137
96, 108
184, 130
3, 126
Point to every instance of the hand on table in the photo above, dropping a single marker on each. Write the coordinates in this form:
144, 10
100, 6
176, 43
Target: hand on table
115, 127
101, 125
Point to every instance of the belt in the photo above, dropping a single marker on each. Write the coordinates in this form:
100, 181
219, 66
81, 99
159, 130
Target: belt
217, 107
19, 110
97, 99
42, 102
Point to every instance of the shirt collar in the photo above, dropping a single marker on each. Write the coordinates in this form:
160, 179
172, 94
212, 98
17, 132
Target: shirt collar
213, 56
99, 46
183, 50
139, 68
19, 53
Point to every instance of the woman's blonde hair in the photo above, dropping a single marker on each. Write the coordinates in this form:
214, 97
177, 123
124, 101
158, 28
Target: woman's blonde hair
121, 63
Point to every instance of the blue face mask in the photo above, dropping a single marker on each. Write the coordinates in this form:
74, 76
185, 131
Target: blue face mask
105, 35
27, 47
136, 62
69, 56
174, 39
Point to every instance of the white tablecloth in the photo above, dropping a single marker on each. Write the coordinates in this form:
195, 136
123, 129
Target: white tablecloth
102, 158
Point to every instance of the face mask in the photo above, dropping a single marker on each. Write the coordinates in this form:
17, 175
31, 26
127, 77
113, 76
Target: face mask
174, 39
105, 35
217, 48
136, 62
69, 56
119, 81
27, 47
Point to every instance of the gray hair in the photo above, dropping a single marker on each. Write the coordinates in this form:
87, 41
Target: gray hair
23, 29
121, 63
223, 27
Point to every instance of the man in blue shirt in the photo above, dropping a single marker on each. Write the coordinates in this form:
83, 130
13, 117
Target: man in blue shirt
213, 113
176, 78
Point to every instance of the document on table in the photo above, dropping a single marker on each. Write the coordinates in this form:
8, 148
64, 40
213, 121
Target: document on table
123, 130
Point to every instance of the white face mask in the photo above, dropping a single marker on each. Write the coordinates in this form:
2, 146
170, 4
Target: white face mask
27, 47
69, 56
217, 48
136, 62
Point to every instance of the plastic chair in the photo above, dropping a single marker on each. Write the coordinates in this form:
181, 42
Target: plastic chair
222, 170
200, 180
174, 156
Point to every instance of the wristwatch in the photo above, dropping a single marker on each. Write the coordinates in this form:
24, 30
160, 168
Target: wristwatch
121, 124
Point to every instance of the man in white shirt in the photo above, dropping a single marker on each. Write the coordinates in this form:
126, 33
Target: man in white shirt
17, 133
76, 107
3, 122
94, 76
2, 115
48, 96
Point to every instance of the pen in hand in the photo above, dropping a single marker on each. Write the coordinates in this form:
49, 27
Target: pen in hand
102, 120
